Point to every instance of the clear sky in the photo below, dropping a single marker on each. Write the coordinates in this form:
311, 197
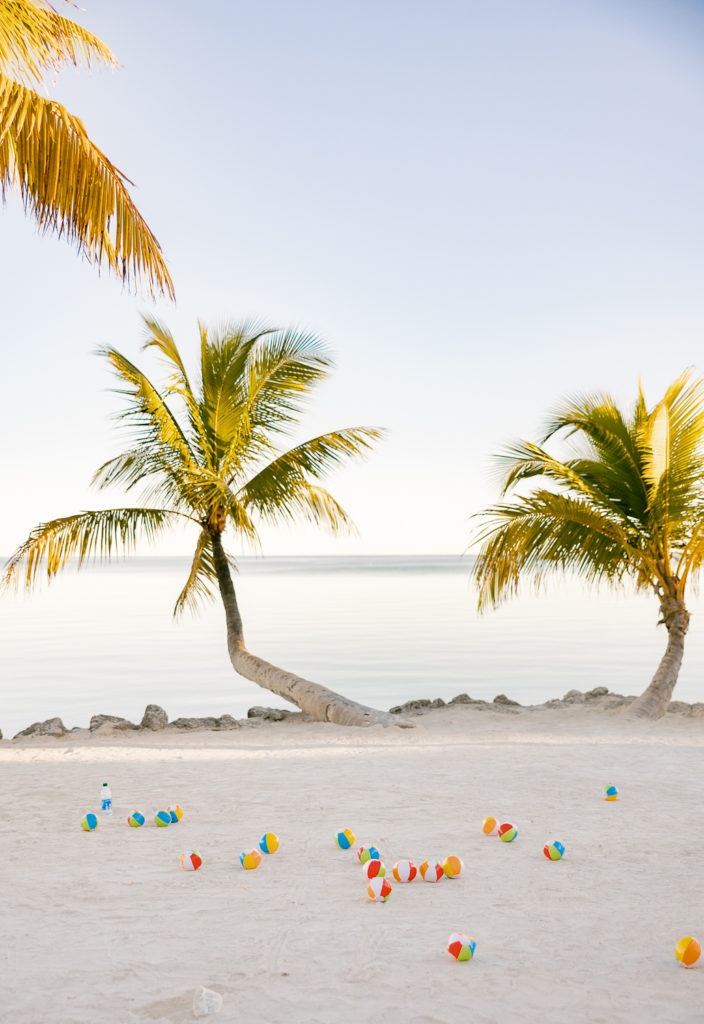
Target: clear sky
481, 207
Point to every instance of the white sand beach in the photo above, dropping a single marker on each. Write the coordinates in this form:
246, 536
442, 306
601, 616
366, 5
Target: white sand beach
106, 927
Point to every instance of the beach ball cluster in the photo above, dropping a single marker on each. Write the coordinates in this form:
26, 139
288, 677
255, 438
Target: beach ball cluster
506, 832
251, 859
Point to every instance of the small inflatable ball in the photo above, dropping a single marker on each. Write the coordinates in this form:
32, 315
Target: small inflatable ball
365, 853
507, 832
453, 867
135, 819
162, 819
554, 850
379, 890
404, 870
344, 839
191, 860
490, 826
610, 793
89, 822
461, 946
269, 843
176, 812
250, 859
431, 871
688, 951
373, 869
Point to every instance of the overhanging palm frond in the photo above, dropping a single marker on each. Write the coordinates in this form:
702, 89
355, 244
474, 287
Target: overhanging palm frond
283, 369
202, 578
71, 187
84, 536
35, 38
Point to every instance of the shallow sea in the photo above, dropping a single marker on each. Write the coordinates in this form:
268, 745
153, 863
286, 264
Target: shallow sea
379, 629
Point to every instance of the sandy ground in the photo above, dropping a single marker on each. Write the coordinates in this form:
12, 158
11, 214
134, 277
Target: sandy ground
106, 927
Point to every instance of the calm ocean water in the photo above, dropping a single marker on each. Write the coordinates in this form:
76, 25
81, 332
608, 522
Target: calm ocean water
379, 629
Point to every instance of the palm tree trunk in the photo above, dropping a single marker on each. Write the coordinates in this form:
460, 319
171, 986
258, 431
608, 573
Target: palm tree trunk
316, 700
653, 702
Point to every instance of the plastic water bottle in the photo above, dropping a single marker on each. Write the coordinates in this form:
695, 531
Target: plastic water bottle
105, 799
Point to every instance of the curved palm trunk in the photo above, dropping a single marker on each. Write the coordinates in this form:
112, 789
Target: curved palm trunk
653, 702
316, 700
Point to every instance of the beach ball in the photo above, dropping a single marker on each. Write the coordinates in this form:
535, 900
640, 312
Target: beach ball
431, 871
365, 853
176, 812
162, 819
507, 833
191, 860
250, 859
404, 870
461, 946
269, 843
489, 826
554, 850
379, 890
373, 869
688, 951
89, 822
344, 839
453, 867
135, 819
610, 793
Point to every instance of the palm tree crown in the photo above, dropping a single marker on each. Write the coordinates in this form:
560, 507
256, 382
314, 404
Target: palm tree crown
65, 181
207, 453
628, 503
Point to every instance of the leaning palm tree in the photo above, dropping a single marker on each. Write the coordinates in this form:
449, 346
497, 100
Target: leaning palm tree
208, 455
627, 505
65, 181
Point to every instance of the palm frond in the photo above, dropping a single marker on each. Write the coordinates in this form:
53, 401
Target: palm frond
201, 584
71, 188
85, 536
283, 369
35, 38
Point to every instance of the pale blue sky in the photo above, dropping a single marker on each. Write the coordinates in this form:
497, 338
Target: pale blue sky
481, 206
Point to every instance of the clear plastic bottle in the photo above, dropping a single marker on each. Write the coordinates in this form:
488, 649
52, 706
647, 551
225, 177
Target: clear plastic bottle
105, 799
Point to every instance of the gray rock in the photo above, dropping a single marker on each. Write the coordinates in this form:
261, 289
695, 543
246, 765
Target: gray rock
410, 705
598, 691
51, 727
464, 698
269, 714
574, 697
154, 718
506, 701
697, 710
115, 723
554, 703
228, 722
678, 707
194, 723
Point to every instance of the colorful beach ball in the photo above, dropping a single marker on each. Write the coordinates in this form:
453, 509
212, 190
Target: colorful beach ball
344, 839
365, 853
453, 867
610, 793
379, 890
554, 850
135, 819
373, 869
191, 860
162, 818
461, 946
490, 826
250, 859
404, 870
89, 822
507, 832
176, 812
269, 843
431, 871
688, 951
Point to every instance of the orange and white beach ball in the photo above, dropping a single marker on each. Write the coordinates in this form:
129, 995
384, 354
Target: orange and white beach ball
191, 860
490, 826
431, 870
688, 951
404, 871
379, 890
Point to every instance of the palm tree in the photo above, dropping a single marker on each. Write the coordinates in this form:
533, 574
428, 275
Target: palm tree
65, 181
209, 455
627, 505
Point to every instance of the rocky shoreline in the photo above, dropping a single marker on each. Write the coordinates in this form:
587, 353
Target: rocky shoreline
155, 718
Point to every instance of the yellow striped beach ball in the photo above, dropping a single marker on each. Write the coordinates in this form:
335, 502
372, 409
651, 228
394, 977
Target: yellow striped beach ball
176, 812
269, 843
490, 826
688, 951
250, 859
344, 838
453, 867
